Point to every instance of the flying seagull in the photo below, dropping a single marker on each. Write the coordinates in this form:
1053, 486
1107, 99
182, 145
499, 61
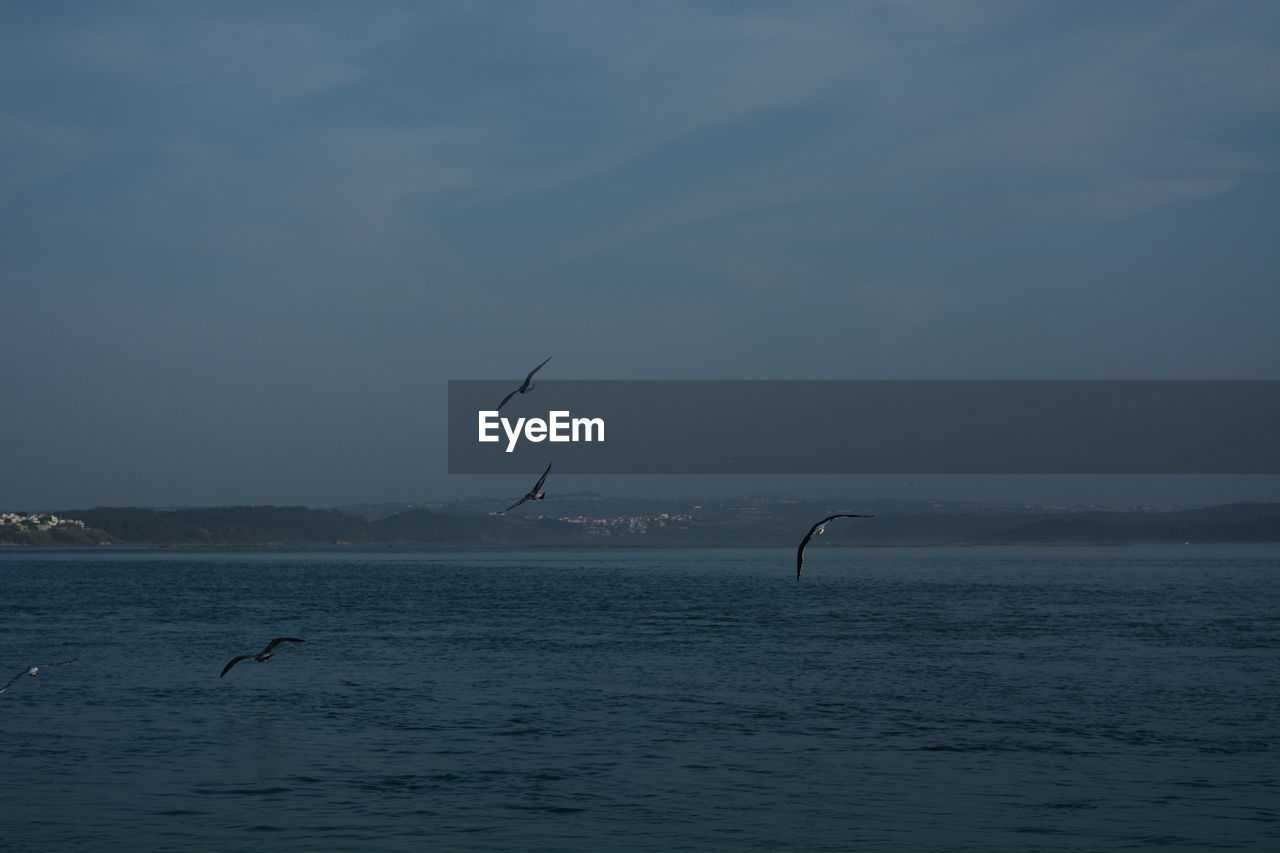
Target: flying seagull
262, 656
535, 494
33, 670
817, 530
525, 386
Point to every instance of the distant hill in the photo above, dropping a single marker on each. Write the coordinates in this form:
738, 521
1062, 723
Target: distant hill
1211, 525
595, 520
230, 525
424, 526
21, 528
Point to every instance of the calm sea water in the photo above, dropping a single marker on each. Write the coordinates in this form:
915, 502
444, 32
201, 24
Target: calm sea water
894, 699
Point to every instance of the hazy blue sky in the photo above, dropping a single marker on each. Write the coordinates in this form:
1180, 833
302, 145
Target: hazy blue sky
244, 245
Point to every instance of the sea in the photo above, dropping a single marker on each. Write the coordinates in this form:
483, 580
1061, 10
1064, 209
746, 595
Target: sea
913, 699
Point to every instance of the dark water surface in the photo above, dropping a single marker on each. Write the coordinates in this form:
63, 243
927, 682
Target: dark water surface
894, 699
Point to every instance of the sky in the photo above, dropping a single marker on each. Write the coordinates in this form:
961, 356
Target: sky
244, 246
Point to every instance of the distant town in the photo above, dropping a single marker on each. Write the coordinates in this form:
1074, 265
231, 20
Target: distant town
37, 523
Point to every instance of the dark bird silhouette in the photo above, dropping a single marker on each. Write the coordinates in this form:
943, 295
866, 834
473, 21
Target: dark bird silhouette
817, 530
525, 386
262, 656
535, 494
32, 670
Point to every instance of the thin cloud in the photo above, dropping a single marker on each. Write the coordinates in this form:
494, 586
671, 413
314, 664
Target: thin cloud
1137, 197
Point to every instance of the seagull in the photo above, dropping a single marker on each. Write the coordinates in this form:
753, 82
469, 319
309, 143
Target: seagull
262, 656
525, 386
535, 494
32, 670
817, 530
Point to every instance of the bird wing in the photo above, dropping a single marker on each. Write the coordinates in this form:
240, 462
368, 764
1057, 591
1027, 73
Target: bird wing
277, 641
800, 550
839, 515
516, 504
813, 530
61, 662
13, 680
233, 662
524, 386
541, 480
507, 399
